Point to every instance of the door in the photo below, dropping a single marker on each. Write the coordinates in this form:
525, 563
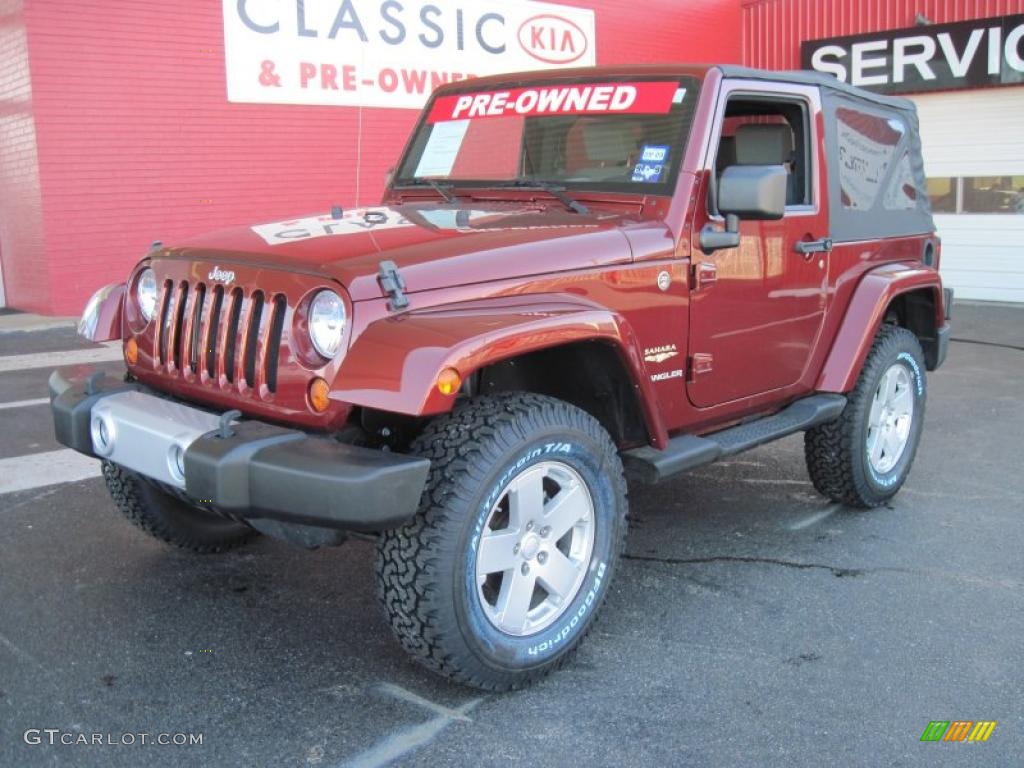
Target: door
974, 152
756, 311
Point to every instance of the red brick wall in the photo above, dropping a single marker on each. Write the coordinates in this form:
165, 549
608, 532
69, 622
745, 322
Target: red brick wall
137, 141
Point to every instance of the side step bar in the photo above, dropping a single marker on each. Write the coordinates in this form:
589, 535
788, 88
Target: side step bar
649, 465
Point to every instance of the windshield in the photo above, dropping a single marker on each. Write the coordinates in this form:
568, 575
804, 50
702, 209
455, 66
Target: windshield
614, 135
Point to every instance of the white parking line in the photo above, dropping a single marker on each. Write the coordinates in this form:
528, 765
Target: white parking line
24, 403
817, 517
106, 353
401, 693
37, 470
404, 740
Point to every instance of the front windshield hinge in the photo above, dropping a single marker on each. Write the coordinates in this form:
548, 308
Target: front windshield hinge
393, 285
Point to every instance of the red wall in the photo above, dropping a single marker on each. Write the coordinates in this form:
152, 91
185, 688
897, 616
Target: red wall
774, 29
137, 142
22, 248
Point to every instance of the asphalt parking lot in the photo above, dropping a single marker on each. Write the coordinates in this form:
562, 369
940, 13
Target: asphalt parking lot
752, 623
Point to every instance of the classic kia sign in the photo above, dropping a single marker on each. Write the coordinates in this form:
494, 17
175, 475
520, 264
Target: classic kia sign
967, 54
388, 53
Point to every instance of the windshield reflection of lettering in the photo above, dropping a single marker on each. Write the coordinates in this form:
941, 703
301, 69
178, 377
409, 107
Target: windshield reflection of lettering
362, 220
352, 222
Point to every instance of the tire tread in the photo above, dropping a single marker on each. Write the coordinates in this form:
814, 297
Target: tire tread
829, 448
460, 446
161, 516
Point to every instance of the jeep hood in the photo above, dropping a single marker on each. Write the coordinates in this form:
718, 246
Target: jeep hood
433, 246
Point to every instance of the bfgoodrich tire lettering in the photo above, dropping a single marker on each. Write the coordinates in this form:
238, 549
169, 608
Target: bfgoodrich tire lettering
838, 453
427, 576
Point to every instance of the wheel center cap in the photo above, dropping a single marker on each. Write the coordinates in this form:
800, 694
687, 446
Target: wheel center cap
531, 543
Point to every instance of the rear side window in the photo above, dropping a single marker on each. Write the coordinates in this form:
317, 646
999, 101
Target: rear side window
876, 180
873, 163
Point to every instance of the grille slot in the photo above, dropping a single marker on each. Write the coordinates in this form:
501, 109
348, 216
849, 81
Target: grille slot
212, 332
179, 318
252, 338
195, 340
231, 341
274, 340
166, 309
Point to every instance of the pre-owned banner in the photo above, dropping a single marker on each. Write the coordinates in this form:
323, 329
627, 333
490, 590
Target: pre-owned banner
390, 53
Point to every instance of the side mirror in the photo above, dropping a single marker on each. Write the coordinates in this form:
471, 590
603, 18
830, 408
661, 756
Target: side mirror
389, 176
755, 192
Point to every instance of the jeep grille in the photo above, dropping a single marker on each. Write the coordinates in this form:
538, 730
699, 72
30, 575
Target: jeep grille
217, 331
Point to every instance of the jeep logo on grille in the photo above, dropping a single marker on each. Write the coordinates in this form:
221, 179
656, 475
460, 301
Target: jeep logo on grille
223, 275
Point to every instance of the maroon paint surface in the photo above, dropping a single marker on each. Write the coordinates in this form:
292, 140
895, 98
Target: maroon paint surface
524, 274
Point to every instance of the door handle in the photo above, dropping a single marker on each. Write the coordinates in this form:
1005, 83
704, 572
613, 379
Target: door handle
807, 247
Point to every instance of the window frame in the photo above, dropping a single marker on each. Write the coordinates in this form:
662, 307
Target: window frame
807, 99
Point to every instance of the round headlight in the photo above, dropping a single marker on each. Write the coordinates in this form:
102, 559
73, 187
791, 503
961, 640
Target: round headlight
326, 323
145, 293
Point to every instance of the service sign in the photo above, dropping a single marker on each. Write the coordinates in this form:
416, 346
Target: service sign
933, 57
385, 53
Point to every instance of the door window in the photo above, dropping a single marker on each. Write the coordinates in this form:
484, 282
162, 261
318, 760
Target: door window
761, 130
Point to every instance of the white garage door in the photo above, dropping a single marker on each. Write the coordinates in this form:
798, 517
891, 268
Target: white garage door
973, 145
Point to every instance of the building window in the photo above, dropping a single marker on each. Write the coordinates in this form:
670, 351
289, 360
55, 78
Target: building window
943, 193
977, 194
993, 194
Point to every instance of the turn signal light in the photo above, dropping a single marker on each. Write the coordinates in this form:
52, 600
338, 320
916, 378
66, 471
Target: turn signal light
318, 395
449, 381
131, 351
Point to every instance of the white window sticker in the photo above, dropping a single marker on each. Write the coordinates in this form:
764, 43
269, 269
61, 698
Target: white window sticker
442, 147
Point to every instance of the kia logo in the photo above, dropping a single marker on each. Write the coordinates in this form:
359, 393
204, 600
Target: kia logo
552, 39
225, 276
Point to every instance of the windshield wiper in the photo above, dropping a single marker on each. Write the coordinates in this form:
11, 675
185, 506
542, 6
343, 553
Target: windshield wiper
441, 189
552, 189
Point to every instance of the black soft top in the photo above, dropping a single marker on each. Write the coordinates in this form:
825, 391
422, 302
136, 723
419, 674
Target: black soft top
877, 184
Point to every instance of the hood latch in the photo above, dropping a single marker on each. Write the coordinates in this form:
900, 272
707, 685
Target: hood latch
393, 285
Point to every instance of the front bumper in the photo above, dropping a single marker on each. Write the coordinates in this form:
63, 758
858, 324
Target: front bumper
249, 470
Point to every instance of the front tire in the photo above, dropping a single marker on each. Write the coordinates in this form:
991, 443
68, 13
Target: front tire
863, 458
501, 573
169, 519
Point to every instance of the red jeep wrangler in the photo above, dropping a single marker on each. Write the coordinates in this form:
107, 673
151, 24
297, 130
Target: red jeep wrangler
573, 277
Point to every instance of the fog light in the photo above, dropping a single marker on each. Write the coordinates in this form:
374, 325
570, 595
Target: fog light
318, 395
131, 351
102, 436
449, 381
176, 462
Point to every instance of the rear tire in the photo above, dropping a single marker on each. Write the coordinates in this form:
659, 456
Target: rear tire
501, 573
169, 519
863, 458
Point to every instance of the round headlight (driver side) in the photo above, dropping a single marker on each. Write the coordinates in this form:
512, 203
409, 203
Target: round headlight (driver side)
326, 323
146, 293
